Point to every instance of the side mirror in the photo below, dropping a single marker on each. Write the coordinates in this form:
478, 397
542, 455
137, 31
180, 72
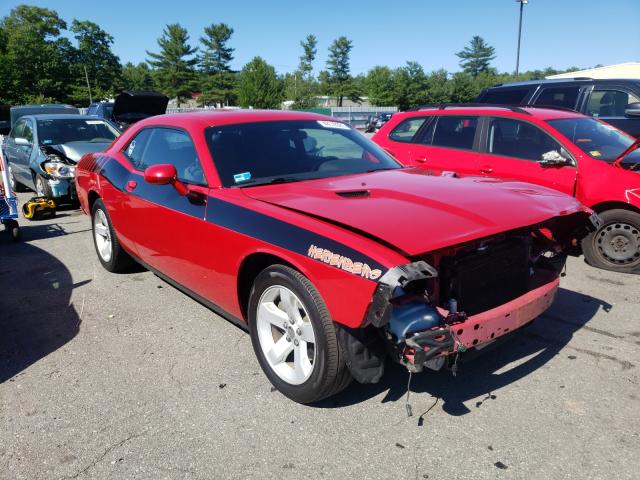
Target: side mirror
165, 174
554, 158
22, 142
632, 110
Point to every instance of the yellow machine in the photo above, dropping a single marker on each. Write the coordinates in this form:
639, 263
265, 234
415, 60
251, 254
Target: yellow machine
39, 208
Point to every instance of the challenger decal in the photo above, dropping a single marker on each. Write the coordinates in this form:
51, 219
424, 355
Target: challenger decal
344, 263
243, 220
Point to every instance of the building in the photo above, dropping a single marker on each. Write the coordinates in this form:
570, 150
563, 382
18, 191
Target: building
621, 70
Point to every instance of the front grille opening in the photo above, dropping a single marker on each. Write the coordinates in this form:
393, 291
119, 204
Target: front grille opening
485, 278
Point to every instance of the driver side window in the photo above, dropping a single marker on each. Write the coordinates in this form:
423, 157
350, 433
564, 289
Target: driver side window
160, 145
513, 138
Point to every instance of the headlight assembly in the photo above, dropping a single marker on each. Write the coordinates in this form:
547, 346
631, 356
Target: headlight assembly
59, 169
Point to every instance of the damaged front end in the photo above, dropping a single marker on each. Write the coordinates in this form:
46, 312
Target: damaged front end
58, 166
425, 313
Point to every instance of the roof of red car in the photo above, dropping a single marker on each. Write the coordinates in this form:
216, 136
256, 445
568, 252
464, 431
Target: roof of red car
205, 118
540, 113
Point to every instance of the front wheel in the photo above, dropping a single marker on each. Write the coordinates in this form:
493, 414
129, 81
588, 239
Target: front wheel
43, 189
293, 336
616, 245
111, 255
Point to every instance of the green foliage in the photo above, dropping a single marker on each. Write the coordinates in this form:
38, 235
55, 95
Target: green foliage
301, 86
36, 61
137, 77
476, 58
380, 86
339, 82
174, 64
94, 54
217, 81
258, 85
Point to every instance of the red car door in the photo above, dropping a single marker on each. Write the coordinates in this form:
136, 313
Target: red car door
447, 143
515, 149
171, 232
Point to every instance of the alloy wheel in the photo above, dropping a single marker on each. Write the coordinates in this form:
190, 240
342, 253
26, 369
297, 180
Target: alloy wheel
102, 235
286, 335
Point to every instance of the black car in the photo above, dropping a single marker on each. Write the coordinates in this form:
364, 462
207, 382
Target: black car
130, 107
615, 101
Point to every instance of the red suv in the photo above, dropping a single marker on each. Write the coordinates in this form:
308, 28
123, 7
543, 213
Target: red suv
557, 148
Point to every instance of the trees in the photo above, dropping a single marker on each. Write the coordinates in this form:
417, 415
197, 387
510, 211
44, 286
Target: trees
339, 81
380, 86
476, 57
94, 53
217, 79
36, 60
258, 85
301, 86
175, 62
137, 77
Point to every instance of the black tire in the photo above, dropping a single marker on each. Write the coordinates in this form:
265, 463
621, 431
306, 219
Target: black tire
330, 373
46, 188
616, 245
15, 185
119, 261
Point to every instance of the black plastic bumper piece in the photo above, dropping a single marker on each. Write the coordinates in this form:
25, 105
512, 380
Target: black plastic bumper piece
438, 341
379, 311
365, 352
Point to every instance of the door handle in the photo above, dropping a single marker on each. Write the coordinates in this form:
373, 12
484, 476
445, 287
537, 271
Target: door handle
486, 170
131, 185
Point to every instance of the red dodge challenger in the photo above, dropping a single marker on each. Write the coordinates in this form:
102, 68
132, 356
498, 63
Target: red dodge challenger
330, 252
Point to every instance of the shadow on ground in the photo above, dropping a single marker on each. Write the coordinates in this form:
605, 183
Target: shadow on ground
482, 374
36, 318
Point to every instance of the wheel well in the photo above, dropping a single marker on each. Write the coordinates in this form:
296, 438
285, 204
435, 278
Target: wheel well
604, 206
249, 270
93, 196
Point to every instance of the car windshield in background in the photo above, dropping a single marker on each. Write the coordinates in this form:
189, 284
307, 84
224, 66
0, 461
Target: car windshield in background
58, 131
596, 139
285, 151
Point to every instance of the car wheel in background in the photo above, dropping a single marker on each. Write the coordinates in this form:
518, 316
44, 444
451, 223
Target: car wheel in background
15, 185
111, 255
294, 337
616, 245
43, 189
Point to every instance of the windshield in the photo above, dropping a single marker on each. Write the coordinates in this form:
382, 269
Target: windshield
58, 131
596, 139
252, 154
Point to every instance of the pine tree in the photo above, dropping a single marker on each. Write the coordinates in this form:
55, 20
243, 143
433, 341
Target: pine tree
258, 85
340, 80
301, 85
477, 57
218, 81
175, 63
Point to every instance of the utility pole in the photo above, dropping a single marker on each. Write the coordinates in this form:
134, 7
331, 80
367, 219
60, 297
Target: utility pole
86, 76
522, 4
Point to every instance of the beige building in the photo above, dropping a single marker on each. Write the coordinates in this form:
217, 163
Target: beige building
621, 70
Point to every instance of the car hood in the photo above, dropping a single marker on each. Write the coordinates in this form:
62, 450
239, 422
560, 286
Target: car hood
75, 150
416, 212
133, 106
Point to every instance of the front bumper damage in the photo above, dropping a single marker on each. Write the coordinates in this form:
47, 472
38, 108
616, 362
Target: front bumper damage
414, 315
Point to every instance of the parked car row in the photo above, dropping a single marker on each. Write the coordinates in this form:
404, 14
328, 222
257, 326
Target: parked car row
45, 142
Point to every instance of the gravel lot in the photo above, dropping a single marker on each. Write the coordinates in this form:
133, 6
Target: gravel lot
123, 377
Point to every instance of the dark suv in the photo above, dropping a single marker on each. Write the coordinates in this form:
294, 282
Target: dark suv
617, 102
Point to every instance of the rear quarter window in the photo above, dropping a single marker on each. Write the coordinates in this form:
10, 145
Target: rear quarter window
511, 96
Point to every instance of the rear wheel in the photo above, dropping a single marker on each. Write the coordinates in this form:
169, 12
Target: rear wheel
111, 255
293, 336
616, 245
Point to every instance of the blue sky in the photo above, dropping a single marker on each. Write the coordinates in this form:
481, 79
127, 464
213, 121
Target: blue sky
557, 33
